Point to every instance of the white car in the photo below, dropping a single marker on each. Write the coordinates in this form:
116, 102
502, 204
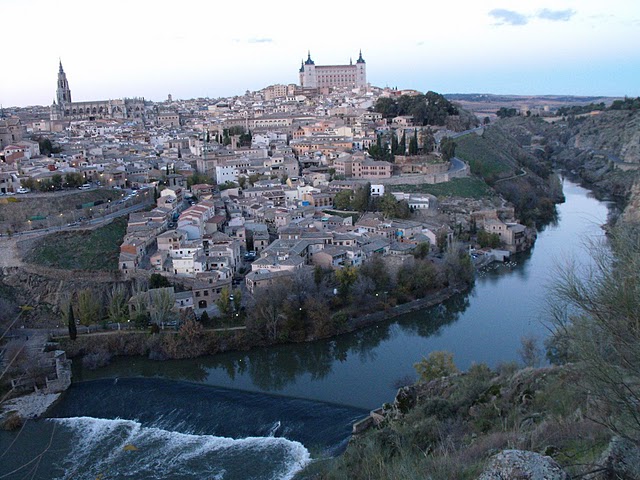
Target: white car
23, 190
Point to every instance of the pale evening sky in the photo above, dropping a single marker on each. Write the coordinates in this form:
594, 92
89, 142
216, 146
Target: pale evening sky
195, 48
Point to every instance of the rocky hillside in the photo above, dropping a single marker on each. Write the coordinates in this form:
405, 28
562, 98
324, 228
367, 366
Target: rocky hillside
528, 424
603, 149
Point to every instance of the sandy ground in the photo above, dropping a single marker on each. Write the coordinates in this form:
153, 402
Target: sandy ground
9, 254
30, 406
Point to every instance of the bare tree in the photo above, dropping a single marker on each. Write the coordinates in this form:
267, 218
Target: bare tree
162, 302
117, 304
530, 351
267, 315
89, 306
596, 310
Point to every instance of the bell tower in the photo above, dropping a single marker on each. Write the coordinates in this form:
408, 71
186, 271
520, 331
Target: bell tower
63, 94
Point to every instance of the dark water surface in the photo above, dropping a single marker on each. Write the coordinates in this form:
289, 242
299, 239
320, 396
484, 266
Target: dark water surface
258, 414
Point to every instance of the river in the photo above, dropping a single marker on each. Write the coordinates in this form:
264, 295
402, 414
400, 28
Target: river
265, 413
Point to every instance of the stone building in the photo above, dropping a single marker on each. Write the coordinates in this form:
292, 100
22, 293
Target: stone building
64, 109
319, 76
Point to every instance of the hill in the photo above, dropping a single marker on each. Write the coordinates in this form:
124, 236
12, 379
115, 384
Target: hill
603, 149
449, 427
522, 178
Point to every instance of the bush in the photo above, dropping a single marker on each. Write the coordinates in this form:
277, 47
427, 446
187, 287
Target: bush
438, 364
92, 361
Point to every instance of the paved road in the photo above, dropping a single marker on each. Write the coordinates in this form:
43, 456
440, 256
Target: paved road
93, 222
456, 165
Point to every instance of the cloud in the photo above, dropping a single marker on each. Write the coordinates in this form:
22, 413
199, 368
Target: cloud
556, 15
508, 17
252, 40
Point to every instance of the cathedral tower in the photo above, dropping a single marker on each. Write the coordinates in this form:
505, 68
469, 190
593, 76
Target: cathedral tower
63, 94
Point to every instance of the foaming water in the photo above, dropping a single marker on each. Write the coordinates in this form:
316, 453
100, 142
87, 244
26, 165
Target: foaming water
154, 428
126, 449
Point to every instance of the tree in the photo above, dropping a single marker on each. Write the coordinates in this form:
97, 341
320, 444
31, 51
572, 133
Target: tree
394, 144
71, 321
198, 178
422, 250
413, 143
342, 200
529, 351
267, 317
161, 302
438, 364
486, 239
447, 148
376, 269
361, 198
157, 280
318, 276
56, 181
74, 179
429, 142
346, 277
388, 205
505, 112
442, 239
237, 299
117, 310
45, 147
596, 310
89, 306
224, 302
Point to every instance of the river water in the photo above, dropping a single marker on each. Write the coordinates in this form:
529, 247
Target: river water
264, 414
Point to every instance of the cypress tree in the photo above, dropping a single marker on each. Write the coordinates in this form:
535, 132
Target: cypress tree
73, 332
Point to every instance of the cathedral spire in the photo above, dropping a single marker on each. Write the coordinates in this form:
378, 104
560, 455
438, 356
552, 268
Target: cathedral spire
63, 93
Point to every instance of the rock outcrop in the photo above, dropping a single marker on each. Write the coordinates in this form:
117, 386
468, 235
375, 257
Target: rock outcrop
522, 465
621, 460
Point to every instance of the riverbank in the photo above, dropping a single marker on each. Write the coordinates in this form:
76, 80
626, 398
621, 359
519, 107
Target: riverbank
193, 340
28, 407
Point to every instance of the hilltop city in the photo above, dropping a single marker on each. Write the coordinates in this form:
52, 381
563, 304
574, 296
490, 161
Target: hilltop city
245, 189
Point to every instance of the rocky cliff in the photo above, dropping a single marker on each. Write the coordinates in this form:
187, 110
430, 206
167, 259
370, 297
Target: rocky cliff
602, 149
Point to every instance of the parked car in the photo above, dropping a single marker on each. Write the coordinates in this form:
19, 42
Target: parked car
85, 186
23, 190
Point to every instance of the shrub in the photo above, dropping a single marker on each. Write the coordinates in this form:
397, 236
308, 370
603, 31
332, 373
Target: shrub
438, 364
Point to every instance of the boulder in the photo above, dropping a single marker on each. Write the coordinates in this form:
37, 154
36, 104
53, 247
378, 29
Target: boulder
522, 465
621, 460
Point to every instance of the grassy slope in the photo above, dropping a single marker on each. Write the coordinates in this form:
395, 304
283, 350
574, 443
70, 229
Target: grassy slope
487, 154
469, 187
17, 209
81, 250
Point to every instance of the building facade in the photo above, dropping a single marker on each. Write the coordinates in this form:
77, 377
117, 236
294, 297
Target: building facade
319, 76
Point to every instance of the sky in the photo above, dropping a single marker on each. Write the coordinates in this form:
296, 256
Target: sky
205, 48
